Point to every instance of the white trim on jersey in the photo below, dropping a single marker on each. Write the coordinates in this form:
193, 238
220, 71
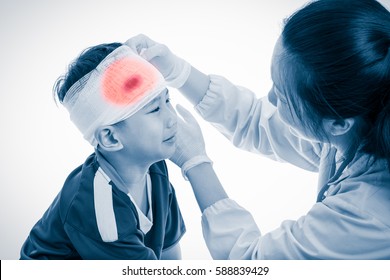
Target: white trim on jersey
145, 221
104, 209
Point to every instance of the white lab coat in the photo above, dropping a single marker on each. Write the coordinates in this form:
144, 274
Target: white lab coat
351, 219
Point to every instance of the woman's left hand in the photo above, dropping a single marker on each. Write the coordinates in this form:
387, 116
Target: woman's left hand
190, 145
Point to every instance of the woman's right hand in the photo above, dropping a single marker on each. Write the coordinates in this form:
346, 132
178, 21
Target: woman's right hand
174, 69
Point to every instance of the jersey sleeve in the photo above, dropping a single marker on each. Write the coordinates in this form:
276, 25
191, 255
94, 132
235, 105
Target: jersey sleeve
332, 229
47, 239
253, 124
128, 247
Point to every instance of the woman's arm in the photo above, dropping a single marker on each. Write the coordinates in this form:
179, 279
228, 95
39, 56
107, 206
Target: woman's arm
195, 88
206, 185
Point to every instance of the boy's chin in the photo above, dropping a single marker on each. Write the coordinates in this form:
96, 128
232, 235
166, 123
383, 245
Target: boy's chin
167, 155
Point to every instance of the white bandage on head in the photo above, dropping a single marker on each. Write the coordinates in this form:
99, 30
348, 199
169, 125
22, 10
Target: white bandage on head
117, 88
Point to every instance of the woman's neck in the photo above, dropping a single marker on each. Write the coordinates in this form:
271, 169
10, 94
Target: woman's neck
346, 144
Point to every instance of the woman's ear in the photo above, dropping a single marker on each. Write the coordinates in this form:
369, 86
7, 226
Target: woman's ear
107, 138
338, 127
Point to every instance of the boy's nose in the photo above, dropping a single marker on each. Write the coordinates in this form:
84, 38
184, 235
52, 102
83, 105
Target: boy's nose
171, 122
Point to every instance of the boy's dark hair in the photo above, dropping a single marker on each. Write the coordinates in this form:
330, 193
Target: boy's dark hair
88, 60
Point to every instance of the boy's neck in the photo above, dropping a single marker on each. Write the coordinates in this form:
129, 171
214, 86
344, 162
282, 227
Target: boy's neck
128, 176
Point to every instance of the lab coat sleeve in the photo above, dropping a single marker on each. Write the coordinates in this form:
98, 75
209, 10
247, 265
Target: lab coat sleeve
332, 229
230, 231
253, 124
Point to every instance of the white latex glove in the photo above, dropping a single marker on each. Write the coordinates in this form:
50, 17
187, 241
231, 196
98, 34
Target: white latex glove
174, 69
190, 146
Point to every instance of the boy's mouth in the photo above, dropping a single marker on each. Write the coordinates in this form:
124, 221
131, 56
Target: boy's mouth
170, 139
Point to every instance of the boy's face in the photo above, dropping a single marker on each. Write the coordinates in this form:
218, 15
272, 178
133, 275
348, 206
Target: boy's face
148, 136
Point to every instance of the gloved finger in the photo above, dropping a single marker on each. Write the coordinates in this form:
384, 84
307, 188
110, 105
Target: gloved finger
139, 42
186, 115
180, 123
157, 50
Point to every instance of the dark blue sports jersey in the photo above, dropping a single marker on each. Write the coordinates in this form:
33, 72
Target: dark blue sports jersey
69, 228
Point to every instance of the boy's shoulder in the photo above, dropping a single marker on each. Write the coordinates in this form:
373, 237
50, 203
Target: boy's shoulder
77, 193
78, 202
83, 174
78, 189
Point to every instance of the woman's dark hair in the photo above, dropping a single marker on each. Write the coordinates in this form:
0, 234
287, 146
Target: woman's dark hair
88, 60
338, 54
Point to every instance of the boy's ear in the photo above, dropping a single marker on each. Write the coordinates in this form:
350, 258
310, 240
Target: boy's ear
107, 138
338, 127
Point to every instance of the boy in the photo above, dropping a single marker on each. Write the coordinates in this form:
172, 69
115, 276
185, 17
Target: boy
119, 204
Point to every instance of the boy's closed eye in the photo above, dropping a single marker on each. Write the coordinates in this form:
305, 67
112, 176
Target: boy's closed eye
157, 109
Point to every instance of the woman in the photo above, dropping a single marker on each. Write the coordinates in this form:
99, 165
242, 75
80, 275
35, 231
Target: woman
328, 111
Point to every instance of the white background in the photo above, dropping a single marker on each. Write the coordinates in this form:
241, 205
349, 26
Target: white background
39, 146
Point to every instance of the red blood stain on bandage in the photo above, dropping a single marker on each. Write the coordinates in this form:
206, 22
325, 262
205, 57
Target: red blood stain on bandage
127, 80
132, 83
